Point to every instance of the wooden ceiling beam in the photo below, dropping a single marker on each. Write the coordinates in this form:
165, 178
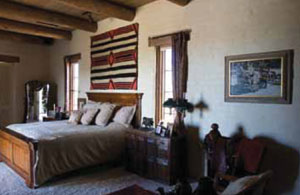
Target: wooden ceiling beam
9, 59
102, 7
31, 29
28, 14
180, 2
10, 36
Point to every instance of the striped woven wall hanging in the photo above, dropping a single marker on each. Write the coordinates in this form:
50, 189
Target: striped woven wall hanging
114, 59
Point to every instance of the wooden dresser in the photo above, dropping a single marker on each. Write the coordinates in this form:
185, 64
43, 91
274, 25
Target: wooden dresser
155, 157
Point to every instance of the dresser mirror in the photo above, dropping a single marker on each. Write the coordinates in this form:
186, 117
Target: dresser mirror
40, 97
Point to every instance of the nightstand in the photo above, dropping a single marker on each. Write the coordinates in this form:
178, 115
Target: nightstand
155, 157
48, 119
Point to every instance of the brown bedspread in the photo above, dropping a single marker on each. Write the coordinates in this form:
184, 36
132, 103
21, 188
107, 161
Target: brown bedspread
63, 147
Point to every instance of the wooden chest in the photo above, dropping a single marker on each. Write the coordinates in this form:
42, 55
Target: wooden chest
155, 157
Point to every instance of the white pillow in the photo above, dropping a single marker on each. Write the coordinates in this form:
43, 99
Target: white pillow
91, 105
88, 116
239, 185
75, 117
125, 115
106, 110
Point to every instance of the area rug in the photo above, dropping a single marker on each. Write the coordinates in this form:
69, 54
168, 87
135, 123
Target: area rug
95, 181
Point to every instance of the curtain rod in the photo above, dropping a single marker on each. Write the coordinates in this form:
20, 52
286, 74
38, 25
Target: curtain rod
170, 34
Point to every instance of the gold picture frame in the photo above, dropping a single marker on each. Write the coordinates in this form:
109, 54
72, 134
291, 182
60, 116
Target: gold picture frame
259, 78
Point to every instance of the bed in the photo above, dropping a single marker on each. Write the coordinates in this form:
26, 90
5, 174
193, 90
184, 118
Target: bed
32, 150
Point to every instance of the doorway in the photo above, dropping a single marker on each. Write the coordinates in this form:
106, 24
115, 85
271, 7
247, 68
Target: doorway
6, 94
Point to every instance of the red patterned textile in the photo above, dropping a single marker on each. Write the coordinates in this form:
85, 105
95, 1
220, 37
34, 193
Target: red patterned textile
133, 190
114, 59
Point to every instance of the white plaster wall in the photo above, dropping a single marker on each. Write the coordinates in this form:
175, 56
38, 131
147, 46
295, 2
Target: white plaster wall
219, 28
34, 65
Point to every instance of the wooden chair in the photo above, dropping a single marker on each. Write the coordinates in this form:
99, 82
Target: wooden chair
216, 152
245, 160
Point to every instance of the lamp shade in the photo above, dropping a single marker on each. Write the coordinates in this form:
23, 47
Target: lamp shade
170, 103
180, 105
183, 105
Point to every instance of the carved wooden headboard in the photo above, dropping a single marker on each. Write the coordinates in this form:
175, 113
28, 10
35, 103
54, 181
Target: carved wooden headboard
122, 99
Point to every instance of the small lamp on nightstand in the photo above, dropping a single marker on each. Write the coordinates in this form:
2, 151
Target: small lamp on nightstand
170, 103
181, 106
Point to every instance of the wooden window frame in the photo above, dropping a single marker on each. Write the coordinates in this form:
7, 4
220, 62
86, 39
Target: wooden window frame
159, 82
159, 43
68, 60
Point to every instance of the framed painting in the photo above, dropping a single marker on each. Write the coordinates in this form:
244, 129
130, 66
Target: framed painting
259, 78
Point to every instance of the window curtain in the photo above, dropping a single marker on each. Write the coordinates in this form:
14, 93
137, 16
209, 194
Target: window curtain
180, 74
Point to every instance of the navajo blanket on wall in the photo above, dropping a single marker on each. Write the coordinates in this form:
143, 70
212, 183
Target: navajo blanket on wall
114, 59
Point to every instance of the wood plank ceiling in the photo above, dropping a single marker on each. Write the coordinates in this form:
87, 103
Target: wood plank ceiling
42, 21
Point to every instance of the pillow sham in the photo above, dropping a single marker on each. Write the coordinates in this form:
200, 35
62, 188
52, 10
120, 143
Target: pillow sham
88, 116
125, 115
75, 117
240, 185
106, 111
91, 105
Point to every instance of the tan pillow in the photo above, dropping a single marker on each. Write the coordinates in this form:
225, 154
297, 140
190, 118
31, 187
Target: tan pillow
75, 117
125, 115
106, 110
88, 116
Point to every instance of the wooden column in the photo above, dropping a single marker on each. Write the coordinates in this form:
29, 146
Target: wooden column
9, 59
102, 7
28, 14
31, 29
23, 38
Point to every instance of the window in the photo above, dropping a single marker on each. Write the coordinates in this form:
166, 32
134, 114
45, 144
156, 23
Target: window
164, 89
72, 82
167, 92
164, 45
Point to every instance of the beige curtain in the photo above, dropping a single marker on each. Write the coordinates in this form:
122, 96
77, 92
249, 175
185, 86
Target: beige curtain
180, 73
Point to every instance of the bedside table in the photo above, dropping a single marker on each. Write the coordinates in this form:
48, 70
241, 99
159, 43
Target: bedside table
48, 119
155, 157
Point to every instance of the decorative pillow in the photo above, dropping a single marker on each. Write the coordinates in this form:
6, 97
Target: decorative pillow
125, 115
106, 110
240, 185
88, 116
91, 105
75, 117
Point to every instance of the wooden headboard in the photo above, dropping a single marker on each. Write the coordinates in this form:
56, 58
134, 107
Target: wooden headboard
122, 99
